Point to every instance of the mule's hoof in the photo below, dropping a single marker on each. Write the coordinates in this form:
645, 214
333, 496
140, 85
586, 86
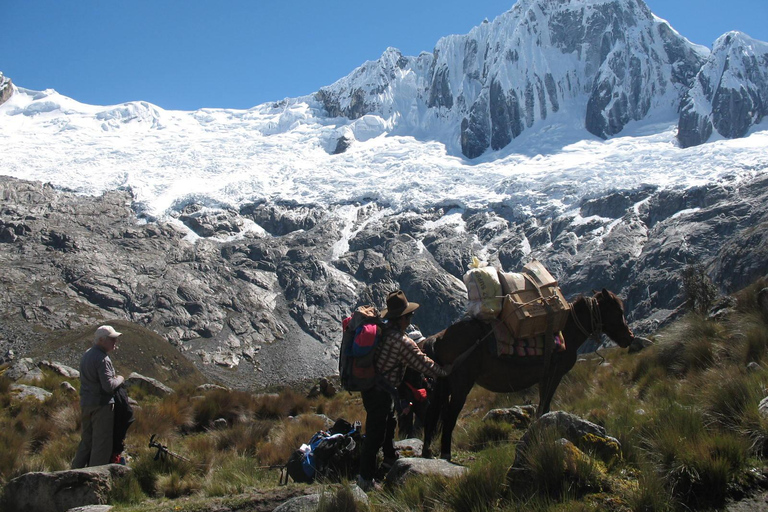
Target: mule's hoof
426, 453
446, 456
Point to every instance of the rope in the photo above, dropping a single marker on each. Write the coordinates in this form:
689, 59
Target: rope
595, 318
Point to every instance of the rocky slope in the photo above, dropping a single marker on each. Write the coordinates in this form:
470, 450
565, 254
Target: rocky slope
257, 309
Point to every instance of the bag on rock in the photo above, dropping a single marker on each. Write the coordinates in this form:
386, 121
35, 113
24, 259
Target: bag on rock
334, 454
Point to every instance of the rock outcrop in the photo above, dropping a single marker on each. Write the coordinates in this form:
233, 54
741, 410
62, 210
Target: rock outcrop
62, 490
6, 88
409, 467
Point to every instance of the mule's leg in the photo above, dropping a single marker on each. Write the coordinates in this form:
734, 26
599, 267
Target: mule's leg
437, 401
548, 384
450, 414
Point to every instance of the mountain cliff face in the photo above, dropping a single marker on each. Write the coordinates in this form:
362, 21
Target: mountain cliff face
6, 88
604, 63
730, 93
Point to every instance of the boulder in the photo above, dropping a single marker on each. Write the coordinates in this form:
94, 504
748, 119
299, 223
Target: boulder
151, 386
586, 435
22, 392
310, 502
409, 447
61, 491
405, 468
24, 369
518, 416
60, 369
92, 508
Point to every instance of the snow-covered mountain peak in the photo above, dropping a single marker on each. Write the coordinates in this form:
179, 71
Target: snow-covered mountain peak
598, 63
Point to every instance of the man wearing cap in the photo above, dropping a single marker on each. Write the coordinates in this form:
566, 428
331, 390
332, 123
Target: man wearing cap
393, 354
98, 382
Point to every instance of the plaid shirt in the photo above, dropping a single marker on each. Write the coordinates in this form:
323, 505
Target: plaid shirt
396, 352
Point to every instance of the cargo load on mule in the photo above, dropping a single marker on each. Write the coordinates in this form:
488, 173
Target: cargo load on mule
526, 309
329, 455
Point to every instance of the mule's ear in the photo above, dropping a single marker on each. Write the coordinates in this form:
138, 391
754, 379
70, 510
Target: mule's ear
606, 293
594, 292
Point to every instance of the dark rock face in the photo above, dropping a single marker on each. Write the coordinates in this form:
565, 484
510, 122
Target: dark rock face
265, 306
6, 88
476, 129
730, 93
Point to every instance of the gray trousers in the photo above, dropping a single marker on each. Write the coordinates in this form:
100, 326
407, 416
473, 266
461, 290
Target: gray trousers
95, 447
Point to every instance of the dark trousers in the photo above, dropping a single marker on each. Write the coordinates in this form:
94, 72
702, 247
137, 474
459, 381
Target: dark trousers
380, 423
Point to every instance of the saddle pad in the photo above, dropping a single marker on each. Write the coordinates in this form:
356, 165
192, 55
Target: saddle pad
508, 346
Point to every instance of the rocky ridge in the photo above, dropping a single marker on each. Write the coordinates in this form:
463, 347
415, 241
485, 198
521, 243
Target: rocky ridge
252, 307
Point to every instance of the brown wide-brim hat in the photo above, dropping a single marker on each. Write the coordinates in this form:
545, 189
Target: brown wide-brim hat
397, 306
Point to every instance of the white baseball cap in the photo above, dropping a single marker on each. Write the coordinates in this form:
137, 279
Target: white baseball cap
106, 331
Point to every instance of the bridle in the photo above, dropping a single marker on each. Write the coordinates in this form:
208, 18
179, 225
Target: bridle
595, 318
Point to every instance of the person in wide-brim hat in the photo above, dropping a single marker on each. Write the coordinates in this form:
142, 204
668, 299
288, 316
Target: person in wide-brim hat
394, 353
397, 306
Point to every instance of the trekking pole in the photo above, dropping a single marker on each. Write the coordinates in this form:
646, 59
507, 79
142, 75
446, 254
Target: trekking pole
163, 451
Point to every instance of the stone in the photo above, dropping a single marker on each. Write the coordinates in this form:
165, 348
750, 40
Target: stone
208, 387
61, 491
518, 416
60, 369
22, 392
23, 369
406, 468
411, 447
151, 386
92, 508
310, 502
586, 435
69, 388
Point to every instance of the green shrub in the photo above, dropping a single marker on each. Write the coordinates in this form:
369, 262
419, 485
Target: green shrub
484, 486
698, 288
482, 434
729, 396
126, 490
651, 493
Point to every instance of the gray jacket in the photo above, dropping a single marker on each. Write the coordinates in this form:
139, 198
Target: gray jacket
98, 379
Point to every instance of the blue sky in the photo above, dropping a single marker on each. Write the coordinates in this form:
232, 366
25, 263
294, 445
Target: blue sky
189, 54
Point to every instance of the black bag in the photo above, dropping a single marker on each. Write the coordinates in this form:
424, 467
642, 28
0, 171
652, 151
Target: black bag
123, 420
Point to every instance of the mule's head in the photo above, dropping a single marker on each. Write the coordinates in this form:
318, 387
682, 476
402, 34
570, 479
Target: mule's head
614, 321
